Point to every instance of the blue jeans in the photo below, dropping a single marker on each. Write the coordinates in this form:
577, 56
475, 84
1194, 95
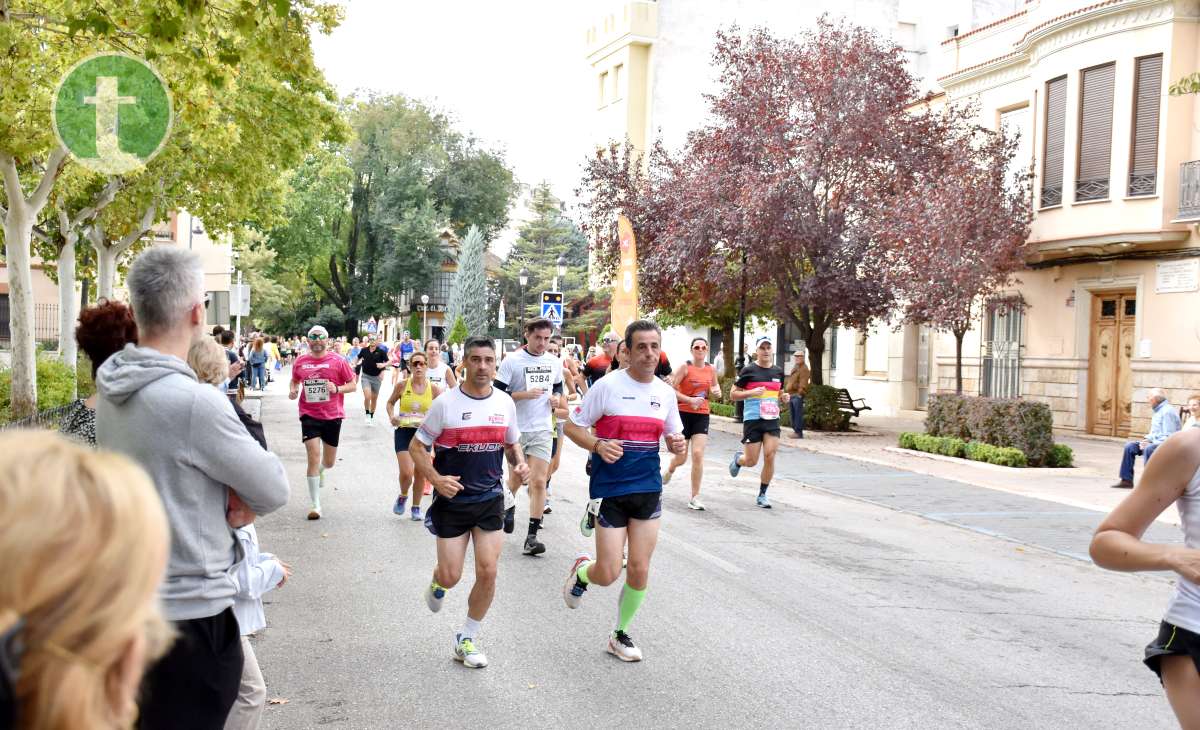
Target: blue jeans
1132, 450
796, 404
258, 378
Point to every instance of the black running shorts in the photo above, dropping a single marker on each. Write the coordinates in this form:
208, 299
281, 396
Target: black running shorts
327, 431
446, 518
618, 511
1172, 641
755, 429
403, 438
694, 423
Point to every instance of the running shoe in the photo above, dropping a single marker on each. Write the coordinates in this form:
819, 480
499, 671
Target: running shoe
574, 588
547, 509
433, 597
587, 525
696, 504
314, 514
466, 652
621, 646
734, 466
763, 502
401, 503
416, 514
532, 546
367, 419
666, 476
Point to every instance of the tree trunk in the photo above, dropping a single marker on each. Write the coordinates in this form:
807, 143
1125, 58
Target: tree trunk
66, 301
816, 356
958, 343
18, 235
727, 347
106, 270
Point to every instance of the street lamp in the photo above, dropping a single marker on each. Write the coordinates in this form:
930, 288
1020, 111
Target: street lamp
523, 279
424, 316
560, 268
195, 229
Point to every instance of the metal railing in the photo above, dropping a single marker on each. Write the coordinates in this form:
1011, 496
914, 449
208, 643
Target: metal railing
47, 419
1051, 195
45, 322
1189, 190
1092, 189
1142, 184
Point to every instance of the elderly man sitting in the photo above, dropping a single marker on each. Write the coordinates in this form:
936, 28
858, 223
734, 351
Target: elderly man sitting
1163, 423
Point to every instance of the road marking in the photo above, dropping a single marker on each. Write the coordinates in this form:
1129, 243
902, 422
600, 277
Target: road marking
943, 515
699, 552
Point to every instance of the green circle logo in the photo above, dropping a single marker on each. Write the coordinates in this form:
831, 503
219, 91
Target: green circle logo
112, 112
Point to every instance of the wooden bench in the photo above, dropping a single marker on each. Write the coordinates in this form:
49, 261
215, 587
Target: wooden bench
846, 404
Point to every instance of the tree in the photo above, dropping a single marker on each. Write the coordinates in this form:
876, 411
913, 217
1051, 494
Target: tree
256, 261
414, 326
810, 142
958, 239
471, 283
458, 333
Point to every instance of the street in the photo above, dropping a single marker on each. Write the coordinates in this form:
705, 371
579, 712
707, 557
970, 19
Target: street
841, 607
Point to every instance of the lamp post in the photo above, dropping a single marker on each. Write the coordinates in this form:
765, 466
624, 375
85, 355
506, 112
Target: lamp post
194, 230
560, 269
424, 317
522, 279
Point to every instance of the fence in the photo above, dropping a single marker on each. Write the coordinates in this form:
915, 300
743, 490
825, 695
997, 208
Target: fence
47, 419
45, 323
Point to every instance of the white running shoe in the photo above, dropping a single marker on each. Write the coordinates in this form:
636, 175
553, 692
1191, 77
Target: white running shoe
574, 588
696, 504
434, 596
367, 419
466, 652
314, 514
621, 646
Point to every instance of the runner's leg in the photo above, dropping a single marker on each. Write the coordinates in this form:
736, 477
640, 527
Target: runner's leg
770, 448
698, 442
451, 552
487, 556
610, 550
312, 451
1181, 680
750, 454
539, 470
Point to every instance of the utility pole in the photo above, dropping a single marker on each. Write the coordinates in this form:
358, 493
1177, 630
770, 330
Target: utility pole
238, 327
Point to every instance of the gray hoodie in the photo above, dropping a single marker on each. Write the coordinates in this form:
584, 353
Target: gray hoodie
188, 438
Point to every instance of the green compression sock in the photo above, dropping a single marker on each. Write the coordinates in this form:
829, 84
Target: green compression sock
628, 605
581, 573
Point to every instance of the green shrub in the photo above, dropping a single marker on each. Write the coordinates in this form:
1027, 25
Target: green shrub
821, 411
1008, 422
943, 445
721, 409
908, 440
55, 383
1001, 455
1061, 456
83, 377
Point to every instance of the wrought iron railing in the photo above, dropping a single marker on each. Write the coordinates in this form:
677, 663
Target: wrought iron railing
1189, 190
1144, 184
47, 419
1051, 195
1095, 188
45, 322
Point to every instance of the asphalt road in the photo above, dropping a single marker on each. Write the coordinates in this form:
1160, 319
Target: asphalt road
828, 611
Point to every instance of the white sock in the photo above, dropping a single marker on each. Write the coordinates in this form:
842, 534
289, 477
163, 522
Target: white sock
470, 628
314, 492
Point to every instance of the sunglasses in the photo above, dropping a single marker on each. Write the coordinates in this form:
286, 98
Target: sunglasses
318, 338
699, 347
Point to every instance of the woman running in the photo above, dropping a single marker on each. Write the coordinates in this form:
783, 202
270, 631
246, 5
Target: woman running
695, 383
439, 373
1172, 476
415, 395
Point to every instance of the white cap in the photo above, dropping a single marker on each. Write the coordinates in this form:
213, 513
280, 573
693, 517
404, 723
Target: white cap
317, 329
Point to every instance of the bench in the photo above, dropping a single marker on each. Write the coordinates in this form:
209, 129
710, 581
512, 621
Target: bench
846, 404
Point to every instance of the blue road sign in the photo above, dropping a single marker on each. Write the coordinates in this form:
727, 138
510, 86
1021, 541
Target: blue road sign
552, 306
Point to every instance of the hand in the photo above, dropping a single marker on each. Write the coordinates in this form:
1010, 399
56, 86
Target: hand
533, 393
697, 402
287, 573
1144, 444
294, 392
1185, 562
757, 392
785, 397
237, 514
447, 485
610, 450
395, 421
676, 443
522, 471
236, 368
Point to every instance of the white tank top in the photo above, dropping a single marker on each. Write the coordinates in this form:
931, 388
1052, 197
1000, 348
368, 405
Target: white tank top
437, 374
1184, 609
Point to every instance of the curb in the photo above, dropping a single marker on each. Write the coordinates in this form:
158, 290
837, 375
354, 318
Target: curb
1065, 471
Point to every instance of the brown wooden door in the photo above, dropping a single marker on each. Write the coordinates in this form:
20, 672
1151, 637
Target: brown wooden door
1113, 326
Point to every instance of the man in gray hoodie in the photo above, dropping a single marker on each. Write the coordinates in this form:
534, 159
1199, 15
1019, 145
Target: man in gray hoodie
187, 436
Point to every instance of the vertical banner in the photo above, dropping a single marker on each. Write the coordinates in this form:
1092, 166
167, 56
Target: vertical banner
625, 289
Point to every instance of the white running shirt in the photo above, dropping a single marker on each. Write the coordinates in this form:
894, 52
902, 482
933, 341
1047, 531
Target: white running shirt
1184, 609
522, 371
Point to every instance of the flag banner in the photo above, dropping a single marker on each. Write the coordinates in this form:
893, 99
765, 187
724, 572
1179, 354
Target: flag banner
625, 288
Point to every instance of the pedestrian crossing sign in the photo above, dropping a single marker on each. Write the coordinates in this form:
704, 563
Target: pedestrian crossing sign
552, 307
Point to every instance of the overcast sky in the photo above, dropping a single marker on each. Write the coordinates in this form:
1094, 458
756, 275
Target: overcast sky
513, 74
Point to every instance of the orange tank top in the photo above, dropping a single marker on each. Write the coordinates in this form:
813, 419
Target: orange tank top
696, 382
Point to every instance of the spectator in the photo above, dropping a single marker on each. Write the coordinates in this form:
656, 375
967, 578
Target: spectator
797, 385
187, 436
258, 364
79, 613
256, 573
1163, 423
1193, 412
103, 330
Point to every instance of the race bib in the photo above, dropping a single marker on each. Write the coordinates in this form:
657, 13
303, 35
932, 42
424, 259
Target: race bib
538, 377
316, 390
768, 408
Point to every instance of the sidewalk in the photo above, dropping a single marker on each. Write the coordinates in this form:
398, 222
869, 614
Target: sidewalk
1086, 485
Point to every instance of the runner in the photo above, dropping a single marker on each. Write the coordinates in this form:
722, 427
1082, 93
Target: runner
467, 428
694, 384
415, 395
1172, 476
406, 346
631, 410
530, 375
760, 385
372, 360
598, 366
439, 373
558, 414
320, 379
577, 383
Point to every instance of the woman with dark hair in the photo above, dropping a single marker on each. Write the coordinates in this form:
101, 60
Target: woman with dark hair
103, 330
258, 364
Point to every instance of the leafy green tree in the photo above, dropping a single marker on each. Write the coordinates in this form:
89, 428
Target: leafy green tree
471, 282
458, 333
414, 326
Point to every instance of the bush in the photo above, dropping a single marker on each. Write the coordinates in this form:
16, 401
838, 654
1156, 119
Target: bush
721, 409
944, 445
821, 410
1026, 426
1002, 455
1061, 456
908, 440
54, 386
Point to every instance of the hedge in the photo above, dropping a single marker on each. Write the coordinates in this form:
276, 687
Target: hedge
54, 386
1026, 426
973, 450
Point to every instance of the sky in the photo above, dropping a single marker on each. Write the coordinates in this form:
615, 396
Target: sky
513, 74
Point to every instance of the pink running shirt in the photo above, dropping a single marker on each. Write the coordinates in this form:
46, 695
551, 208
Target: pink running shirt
331, 367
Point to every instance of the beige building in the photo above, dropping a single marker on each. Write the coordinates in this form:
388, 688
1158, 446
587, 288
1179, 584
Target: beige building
183, 229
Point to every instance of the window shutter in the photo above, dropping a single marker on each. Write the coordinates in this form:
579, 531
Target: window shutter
1055, 141
1095, 133
1147, 98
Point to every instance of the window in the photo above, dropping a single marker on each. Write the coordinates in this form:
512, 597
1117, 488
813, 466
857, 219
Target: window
617, 73
1095, 132
1147, 98
1015, 124
1055, 142
439, 290
875, 354
1001, 356
218, 308
603, 88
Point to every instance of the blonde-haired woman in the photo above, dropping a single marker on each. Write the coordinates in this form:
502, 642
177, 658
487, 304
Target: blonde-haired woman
79, 616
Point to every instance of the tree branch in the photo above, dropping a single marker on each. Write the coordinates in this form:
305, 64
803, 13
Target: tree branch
144, 225
12, 182
336, 280
54, 166
328, 292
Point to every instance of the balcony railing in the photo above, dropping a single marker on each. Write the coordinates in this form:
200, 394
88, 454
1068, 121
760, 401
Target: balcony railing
1051, 195
1144, 184
1092, 189
1189, 190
